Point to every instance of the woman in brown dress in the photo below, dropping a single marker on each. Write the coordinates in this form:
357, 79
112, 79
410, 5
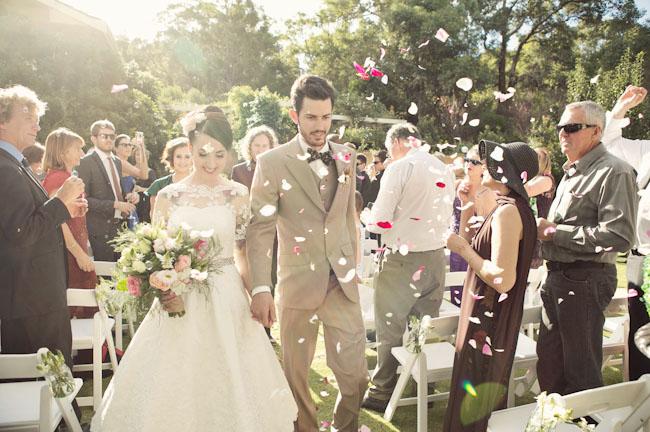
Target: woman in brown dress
499, 259
63, 150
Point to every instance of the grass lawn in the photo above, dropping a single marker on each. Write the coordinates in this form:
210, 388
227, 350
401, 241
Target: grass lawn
324, 391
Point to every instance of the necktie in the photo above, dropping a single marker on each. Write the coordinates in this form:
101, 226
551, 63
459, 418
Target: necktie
28, 170
326, 157
116, 181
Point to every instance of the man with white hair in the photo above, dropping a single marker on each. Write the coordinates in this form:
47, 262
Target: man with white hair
591, 220
412, 213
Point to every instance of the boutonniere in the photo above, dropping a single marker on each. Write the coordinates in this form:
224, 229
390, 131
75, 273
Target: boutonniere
345, 177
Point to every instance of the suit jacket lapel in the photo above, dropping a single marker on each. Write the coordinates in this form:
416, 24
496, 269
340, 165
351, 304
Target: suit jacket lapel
342, 169
301, 170
102, 169
26, 172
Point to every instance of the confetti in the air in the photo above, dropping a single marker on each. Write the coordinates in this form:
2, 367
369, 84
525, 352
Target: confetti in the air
594, 80
404, 249
267, 210
442, 35
384, 224
423, 44
299, 239
418, 273
384, 79
371, 97
348, 276
497, 154
474, 122
487, 350
286, 185
464, 84
472, 343
413, 109
116, 88
502, 297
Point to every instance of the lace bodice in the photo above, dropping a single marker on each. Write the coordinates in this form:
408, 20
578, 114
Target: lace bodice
223, 208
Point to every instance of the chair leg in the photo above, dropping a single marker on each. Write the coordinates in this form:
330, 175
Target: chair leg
119, 344
97, 365
109, 340
511, 388
399, 388
423, 389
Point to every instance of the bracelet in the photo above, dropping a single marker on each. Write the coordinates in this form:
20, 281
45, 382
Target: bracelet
260, 289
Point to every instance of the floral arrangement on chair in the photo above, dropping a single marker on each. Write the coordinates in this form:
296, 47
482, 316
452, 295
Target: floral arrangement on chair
550, 411
418, 331
57, 373
646, 283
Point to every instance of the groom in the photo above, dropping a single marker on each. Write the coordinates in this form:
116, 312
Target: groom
305, 190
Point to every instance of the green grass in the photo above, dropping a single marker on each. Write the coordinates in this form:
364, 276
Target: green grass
322, 379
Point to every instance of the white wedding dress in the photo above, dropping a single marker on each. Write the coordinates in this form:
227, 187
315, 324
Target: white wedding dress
212, 369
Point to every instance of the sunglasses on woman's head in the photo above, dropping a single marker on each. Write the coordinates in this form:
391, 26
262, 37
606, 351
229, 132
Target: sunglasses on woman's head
474, 162
573, 127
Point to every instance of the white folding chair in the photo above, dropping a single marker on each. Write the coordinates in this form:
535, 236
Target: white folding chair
617, 330
623, 407
91, 333
434, 363
525, 356
106, 269
30, 405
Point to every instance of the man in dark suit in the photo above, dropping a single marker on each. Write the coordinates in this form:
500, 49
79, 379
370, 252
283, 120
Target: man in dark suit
107, 205
362, 176
33, 305
372, 188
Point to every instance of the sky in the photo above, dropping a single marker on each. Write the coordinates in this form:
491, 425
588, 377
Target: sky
138, 18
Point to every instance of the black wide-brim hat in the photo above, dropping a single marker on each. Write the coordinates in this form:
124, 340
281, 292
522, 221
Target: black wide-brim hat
513, 165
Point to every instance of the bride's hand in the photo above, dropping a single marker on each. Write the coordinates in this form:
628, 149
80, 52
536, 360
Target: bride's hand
171, 302
263, 309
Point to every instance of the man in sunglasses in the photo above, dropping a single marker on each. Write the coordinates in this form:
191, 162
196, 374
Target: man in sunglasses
591, 220
637, 154
108, 207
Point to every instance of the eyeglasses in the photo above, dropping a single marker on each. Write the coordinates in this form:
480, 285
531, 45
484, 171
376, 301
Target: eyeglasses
474, 162
126, 144
572, 127
106, 136
376, 162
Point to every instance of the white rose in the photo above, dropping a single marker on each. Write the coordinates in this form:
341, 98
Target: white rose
139, 266
170, 244
159, 245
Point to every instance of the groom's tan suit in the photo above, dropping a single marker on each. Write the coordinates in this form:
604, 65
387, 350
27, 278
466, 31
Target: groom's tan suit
315, 221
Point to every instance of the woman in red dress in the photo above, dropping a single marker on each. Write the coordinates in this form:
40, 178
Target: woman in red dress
63, 150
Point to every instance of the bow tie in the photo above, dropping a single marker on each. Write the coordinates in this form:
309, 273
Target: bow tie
326, 157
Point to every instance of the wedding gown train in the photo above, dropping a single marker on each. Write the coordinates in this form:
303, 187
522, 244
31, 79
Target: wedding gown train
212, 369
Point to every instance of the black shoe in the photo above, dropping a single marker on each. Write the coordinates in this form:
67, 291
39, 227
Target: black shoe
373, 404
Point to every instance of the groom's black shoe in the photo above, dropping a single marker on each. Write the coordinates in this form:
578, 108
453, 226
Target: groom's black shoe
373, 404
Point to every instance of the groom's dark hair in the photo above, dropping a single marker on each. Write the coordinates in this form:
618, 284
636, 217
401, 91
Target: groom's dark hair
313, 87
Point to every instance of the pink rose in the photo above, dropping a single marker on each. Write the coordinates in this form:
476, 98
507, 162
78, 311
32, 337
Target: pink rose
182, 263
163, 280
201, 248
133, 285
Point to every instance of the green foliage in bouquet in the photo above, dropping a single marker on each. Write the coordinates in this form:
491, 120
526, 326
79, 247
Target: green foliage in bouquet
57, 373
418, 331
646, 284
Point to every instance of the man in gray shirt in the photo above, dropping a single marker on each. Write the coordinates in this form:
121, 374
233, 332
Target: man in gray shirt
592, 219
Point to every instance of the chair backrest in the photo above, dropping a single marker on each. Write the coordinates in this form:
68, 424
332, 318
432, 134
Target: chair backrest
531, 315
19, 366
634, 395
537, 275
104, 268
455, 278
445, 326
81, 297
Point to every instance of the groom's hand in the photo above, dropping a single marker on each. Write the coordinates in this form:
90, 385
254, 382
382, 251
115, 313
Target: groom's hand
263, 309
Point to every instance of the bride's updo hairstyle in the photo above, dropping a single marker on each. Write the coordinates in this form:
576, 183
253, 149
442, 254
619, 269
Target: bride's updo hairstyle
210, 121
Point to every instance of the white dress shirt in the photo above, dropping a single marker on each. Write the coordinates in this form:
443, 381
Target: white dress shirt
109, 165
637, 154
416, 197
317, 166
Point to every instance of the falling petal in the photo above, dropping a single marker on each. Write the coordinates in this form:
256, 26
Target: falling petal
474, 320
384, 225
421, 67
364, 428
560, 300
371, 97
502, 97
342, 261
502, 297
594, 80
267, 210
376, 73
296, 250
348, 276
312, 266
286, 185
116, 88
462, 122
404, 249
572, 293
323, 393
360, 70
417, 295
413, 109
441, 147
384, 79
488, 314
382, 52
313, 319
504, 180
499, 170
532, 119
418, 273
389, 315
632, 293
442, 35
598, 249
440, 184
550, 230
474, 122
464, 84
524, 176
487, 350
423, 44
299, 239
498, 280
404, 50
301, 340
472, 343
477, 297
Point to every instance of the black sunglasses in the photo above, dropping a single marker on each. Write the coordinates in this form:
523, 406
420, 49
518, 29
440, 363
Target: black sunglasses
474, 162
106, 136
572, 127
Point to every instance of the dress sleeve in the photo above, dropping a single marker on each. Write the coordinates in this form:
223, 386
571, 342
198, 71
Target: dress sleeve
53, 181
162, 208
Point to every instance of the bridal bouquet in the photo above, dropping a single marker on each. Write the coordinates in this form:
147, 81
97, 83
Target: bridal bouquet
157, 260
418, 330
550, 411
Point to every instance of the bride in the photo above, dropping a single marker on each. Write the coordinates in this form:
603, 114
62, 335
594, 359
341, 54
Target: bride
212, 369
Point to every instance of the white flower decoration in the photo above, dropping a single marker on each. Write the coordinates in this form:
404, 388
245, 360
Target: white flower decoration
189, 122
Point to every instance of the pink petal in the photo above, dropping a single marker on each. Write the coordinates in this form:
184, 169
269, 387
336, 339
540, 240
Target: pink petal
359, 68
384, 224
442, 35
296, 250
498, 280
376, 73
364, 428
119, 88
632, 293
440, 184
417, 274
502, 297
524, 176
487, 350
477, 297
549, 230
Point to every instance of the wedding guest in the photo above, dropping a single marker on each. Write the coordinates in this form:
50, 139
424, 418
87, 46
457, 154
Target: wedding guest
177, 158
481, 201
592, 219
34, 155
335, 138
63, 150
257, 140
108, 205
637, 154
376, 173
413, 210
362, 176
124, 149
541, 191
33, 303
499, 258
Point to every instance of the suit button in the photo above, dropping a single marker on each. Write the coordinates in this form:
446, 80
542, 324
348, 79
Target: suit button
18, 230
105, 236
108, 221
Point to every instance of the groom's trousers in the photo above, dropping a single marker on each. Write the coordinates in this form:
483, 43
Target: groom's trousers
345, 341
